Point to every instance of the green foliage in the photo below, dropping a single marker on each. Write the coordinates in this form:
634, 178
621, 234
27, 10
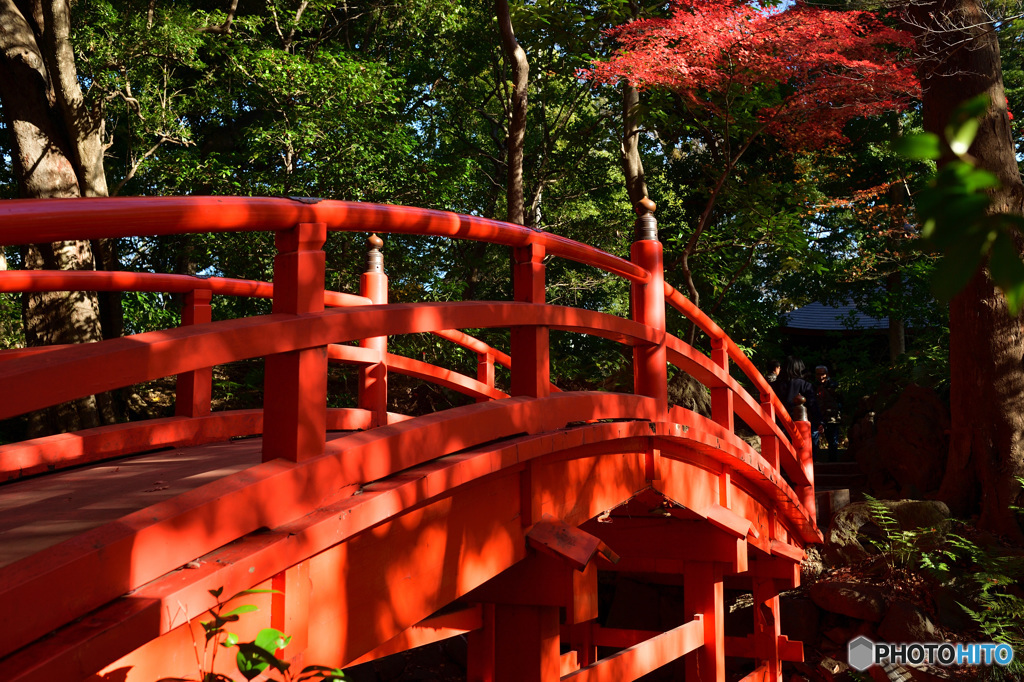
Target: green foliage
253, 657
955, 207
990, 577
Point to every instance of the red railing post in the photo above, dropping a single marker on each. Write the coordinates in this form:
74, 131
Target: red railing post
485, 372
722, 396
805, 457
373, 379
192, 396
769, 443
650, 363
295, 382
531, 366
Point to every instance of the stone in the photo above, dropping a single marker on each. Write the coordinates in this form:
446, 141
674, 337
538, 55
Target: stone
845, 542
849, 599
911, 440
905, 622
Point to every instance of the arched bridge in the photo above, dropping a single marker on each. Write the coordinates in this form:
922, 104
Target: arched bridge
377, 532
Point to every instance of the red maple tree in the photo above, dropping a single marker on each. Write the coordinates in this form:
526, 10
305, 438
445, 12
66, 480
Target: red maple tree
797, 74
811, 69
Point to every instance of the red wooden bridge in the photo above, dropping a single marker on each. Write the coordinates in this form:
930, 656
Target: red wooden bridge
379, 532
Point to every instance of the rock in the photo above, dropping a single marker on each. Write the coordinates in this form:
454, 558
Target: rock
849, 599
904, 622
910, 439
844, 540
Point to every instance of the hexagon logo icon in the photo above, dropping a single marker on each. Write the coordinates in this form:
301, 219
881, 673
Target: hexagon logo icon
860, 653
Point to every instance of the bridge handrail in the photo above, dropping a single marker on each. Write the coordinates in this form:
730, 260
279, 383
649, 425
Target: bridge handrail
53, 220
18, 281
708, 326
65, 219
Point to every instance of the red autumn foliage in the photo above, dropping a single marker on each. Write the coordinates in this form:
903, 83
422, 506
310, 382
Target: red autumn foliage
809, 70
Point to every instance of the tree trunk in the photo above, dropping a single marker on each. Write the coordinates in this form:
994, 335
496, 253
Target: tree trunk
516, 57
986, 345
57, 153
632, 165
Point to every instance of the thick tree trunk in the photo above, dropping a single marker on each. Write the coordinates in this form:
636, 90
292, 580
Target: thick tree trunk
57, 153
986, 345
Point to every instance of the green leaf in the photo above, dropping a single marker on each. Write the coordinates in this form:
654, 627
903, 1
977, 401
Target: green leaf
245, 592
321, 672
957, 219
958, 265
256, 656
231, 640
244, 608
960, 138
972, 108
923, 146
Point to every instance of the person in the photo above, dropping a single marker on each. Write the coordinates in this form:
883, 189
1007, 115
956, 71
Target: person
793, 390
826, 392
773, 371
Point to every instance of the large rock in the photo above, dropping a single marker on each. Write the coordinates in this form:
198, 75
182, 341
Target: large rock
845, 539
904, 622
849, 599
911, 441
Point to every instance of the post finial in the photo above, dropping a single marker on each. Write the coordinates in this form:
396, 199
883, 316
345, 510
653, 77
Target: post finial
374, 257
646, 225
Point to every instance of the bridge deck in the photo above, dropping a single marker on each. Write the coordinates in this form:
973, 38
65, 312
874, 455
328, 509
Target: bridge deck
42, 511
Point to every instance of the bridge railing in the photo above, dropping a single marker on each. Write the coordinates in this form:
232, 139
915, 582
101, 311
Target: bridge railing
295, 414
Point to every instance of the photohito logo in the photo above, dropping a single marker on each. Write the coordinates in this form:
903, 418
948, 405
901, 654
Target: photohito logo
862, 653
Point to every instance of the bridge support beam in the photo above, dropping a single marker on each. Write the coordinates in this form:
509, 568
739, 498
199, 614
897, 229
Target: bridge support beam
704, 593
767, 627
295, 382
373, 380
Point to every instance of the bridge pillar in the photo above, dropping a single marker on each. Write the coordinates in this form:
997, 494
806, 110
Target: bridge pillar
373, 380
295, 382
767, 627
650, 363
192, 396
531, 366
704, 593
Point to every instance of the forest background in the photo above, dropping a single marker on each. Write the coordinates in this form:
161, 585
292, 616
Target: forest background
412, 103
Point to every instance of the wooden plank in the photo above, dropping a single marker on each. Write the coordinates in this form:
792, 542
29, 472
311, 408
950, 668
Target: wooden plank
642, 658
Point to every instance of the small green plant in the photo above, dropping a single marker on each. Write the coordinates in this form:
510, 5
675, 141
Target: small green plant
253, 658
897, 545
989, 578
